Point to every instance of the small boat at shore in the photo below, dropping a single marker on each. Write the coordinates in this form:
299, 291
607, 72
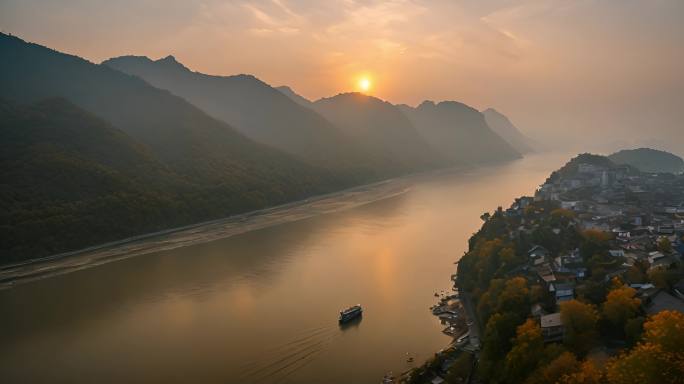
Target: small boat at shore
350, 313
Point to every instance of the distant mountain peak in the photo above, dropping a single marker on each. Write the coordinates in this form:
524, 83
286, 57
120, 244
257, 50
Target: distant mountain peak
427, 104
168, 59
502, 125
294, 96
171, 62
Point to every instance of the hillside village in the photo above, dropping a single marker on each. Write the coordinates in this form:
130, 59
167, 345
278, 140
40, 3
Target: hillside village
643, 213
598, 242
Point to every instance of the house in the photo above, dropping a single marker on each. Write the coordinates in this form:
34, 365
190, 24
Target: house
545, 274
655, 256
564, 291
617, 252
662, 301
537, 311
573, 257
679, 289
538, 251
663, 262
552, 327
619, 271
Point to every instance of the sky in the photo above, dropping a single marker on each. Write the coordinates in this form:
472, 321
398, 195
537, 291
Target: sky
588, 74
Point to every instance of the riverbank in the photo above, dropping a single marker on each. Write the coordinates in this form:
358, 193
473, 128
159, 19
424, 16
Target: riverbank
31, 270
547, 276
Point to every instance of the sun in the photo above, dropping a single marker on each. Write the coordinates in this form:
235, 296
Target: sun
364, 84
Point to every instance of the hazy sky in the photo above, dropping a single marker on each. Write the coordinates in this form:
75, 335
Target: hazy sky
589, 71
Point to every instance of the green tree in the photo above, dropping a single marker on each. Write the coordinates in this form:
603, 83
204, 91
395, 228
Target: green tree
594, 242
664, 245
496, 343
460, 369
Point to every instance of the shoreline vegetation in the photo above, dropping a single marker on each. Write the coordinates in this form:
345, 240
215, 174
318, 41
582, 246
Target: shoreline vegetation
12, 274
570, 286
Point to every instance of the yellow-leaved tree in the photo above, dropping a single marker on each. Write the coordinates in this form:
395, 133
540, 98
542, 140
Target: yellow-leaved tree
659, 358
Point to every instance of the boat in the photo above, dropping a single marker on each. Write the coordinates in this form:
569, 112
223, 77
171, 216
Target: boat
350, 313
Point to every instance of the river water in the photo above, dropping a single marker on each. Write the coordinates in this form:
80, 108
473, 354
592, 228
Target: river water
261, 306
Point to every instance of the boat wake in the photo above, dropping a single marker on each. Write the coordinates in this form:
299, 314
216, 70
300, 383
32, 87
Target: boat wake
277, 364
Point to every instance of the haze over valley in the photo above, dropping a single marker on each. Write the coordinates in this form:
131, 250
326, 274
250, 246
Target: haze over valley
361, 191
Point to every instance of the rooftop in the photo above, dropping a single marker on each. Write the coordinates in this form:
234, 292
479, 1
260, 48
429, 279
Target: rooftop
552, 320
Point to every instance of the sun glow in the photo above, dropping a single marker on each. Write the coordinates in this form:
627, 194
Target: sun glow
364, 84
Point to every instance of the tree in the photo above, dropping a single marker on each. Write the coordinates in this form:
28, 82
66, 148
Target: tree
663, 278
593, 291
594, 242
528, 348
460, 369
515, 297
634, 328
620, 306
666, 329
563, 365
647, 363
659, 358
588, 373
664, 245
499, 332
579, 320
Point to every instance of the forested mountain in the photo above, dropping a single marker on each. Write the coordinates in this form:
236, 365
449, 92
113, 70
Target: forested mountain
70, 180
649, 160
459, 132
91, 154
381, 127
181, 135
211, 169
258, 111
503, 127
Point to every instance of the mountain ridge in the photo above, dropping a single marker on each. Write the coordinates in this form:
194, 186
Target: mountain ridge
258, 111
459, 132
503, 127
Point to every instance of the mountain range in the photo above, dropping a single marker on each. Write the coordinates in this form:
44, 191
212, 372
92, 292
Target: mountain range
459, 132
98, 152
503, 127
258, 111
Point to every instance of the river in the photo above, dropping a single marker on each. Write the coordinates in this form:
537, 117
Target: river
261, 306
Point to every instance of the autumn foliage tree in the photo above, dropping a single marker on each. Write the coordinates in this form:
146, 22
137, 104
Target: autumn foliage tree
563, 365
528, 347
659, 358
620, 306
579, 320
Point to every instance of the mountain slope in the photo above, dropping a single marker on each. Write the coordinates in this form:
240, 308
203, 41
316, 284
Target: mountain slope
254, 108
182, 136
294, 96
649, 160
71, 180
381, 128
459, 132
211, 169
503, 127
